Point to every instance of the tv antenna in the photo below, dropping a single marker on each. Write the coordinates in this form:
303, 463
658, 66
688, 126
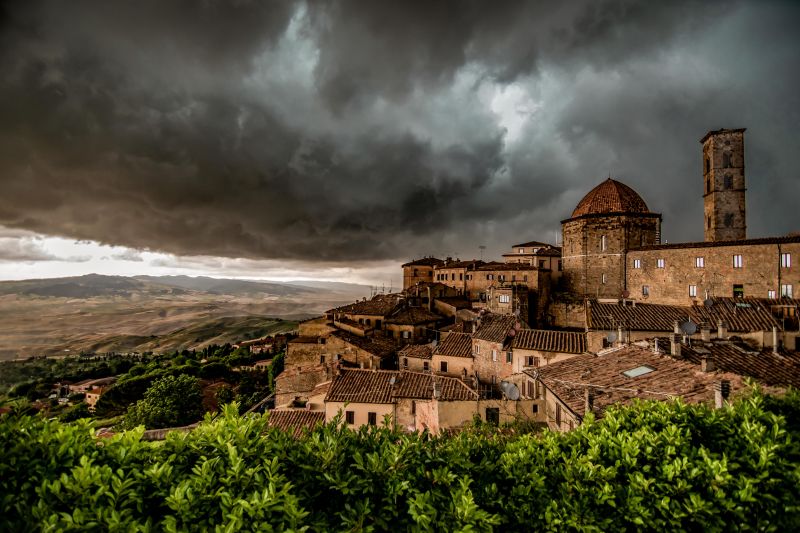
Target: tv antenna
482, 248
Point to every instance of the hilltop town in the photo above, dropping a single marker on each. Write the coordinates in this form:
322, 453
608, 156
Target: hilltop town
553, 333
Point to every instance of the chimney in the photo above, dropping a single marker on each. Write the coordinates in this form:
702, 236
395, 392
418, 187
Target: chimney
620, 340
655, 346
675, 345
775, 340
474, 325
707, 364
589, 400
722, 329
705, 332
676, 327
722, 389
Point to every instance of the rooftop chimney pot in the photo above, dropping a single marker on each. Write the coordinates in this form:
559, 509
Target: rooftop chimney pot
707, 364
722, 329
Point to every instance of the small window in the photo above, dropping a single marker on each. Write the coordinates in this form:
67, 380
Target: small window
558, 414
322, 359
461, 277
525, 277
477, 349
738, 291
786, 260
494, 355
350, 417
504, 298
493, 415
413, 407
541, 263
531, 360
786, 291
737, 261
453, 276
728, 220
645, 290
638, 371
559, 265
700, 262
426, 366
405, 361
415, 273
535, 408
708, 164
728, 181
708, 222
771, 295
522, 250
490, 276
513, 278
406, 334
637, 263
659, 263
372, 419
509, 357
603, 278
726, 160
693, 291
443, 366
603, 243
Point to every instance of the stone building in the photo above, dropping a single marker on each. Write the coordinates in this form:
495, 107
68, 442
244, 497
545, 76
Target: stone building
610, 220
538, 254
419, 270
724, 185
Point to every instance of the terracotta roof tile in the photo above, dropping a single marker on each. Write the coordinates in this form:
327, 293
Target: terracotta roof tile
532, 244
455, 345
471, 263
295, 421
379, 346
641, 317
762, 365
669, 378
375, 386
494, 266
417, 351
380, 305
550, 341
494, 328
741, 314
425, 261
610, 196
413, 316
305, 339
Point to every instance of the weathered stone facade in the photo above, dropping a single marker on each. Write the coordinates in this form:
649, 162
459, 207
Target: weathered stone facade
688, 273
594, 250
724, 186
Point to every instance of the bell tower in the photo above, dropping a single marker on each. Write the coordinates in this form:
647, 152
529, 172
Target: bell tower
723, 185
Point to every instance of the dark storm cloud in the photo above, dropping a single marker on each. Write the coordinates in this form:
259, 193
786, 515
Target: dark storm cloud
365, 130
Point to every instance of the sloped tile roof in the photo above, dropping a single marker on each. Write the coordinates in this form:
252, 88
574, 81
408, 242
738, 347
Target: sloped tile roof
762, 365
379, 346
418, 351
550, 341
492, 267
425, 261
455, 344
295, 421
380, 305
494, 328
375, 386
741, 314
641, 317
670, 378
610, 196
305, 339
471, 263
413, 316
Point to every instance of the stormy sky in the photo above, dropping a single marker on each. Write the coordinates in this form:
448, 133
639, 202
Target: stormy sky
328, 137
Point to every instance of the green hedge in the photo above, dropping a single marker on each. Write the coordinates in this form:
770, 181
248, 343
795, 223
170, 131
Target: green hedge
664, 466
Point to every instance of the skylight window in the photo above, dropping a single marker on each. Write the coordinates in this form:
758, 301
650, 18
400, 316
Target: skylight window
638, 371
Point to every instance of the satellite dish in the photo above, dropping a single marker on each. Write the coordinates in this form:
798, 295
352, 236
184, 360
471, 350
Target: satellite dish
708, 302
688, 327
625, 294
510, 390
612, 336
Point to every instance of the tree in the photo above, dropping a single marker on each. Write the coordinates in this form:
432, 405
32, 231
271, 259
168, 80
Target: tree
170, 401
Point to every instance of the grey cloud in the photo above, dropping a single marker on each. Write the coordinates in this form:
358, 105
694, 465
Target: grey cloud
343, 131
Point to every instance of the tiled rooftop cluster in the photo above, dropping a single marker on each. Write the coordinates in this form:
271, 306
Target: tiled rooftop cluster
384, 386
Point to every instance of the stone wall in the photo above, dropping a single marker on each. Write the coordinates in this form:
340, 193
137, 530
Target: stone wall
760, 272
724, 186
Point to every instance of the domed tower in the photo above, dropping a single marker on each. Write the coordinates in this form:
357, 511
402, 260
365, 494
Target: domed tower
609, 221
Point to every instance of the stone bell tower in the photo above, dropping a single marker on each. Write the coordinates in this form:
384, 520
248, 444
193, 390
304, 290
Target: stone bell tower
723, 185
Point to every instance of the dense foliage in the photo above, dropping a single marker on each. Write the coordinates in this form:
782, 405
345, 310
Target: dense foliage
664, 466
170, 401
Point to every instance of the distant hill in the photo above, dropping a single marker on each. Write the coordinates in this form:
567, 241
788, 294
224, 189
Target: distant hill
158, 313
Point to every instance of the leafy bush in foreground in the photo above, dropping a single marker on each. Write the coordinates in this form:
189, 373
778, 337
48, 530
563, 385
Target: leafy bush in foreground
662, 466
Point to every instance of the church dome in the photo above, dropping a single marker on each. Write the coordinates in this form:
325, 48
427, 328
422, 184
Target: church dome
610, 196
